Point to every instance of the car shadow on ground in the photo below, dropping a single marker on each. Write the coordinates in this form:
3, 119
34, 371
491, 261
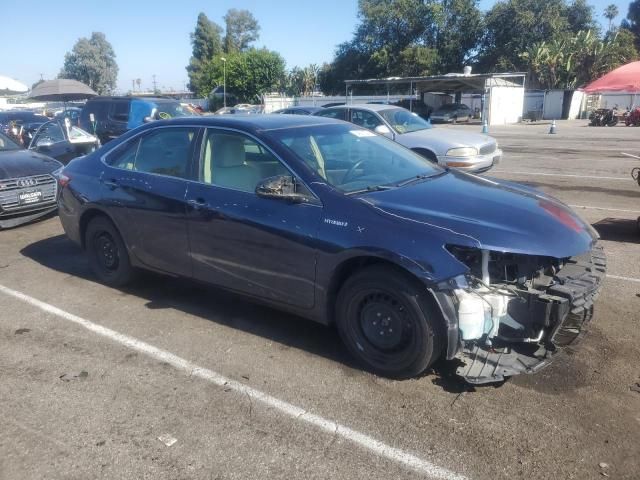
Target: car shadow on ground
618, 230
225, 308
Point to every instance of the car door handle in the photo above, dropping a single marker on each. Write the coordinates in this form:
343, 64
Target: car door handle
112, 184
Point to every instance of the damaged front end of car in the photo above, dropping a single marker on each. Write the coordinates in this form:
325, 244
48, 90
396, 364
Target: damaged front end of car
512, 312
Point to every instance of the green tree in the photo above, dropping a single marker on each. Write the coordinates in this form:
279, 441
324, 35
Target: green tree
610, 13
206, 41
242, 29
632, 22
250, 74
459, 28
515, 26
92, 61
575, 60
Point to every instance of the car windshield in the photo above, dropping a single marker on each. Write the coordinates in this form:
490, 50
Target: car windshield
353, 159
403, 121
6, 144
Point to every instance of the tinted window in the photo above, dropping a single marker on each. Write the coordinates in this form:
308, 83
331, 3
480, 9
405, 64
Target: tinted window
235, 161
120, 111
165, 151
365, 119
48, 134
338, 113
7, 144
98, 108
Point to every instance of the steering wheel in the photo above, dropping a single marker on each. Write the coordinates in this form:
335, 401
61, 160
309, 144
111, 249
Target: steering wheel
352, 170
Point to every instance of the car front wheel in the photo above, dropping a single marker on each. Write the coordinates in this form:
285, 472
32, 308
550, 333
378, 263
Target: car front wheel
108, 257
388, 323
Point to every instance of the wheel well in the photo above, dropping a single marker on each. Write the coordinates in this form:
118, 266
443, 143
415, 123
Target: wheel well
353, 265
428, 154
349, 268
86, 218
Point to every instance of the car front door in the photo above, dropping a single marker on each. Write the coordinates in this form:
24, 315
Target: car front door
145, 184
257, 246
50, 140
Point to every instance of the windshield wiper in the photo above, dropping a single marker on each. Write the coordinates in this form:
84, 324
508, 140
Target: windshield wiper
422, 176
372, 188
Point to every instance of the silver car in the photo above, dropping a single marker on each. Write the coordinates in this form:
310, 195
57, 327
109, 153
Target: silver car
471, 152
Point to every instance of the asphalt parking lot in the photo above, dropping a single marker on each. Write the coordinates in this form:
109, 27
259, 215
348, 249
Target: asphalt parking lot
91, 377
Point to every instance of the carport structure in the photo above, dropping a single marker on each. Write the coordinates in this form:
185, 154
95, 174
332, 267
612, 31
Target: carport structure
502, 93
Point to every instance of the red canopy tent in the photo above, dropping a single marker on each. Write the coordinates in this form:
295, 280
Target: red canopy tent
622, 79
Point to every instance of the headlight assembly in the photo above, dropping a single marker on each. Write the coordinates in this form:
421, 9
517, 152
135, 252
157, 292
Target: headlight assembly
462, 152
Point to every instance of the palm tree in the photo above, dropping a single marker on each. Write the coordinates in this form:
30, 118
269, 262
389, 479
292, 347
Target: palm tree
610, 13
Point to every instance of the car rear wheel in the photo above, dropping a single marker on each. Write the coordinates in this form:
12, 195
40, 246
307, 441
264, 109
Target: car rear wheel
387, 322
108, 257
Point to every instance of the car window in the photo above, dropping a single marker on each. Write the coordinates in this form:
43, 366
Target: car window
403, 121
365, 119
354, 159
120, 111
48, 134
7, 144
235, 161
164, 151
338, 113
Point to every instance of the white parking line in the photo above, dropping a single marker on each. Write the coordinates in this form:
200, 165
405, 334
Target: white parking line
595, 177
626, 279
296, 413
588, 207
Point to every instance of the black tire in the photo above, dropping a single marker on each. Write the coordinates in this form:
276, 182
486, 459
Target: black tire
385, 295
108, 256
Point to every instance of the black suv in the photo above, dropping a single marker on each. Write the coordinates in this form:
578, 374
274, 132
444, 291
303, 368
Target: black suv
113, 116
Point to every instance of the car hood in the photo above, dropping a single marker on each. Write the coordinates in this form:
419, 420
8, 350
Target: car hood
448, 137
23, 163
468, 210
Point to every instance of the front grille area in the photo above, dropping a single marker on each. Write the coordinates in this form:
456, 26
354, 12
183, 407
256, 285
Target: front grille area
488, 148
10, 190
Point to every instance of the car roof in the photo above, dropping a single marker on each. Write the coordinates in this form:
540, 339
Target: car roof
115, 98
304, 107
249, 122
372, 107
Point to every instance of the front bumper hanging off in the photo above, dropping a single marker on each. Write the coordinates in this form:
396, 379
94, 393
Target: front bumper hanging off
577, 286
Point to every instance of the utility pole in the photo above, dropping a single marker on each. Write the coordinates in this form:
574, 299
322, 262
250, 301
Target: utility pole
224, 81
133, 85
155, 84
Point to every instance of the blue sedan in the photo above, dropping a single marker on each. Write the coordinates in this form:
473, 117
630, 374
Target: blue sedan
322, 218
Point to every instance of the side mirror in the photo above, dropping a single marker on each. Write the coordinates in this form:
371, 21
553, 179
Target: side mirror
384, 130
280, 187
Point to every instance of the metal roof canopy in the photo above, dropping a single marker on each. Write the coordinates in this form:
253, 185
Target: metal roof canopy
451, 83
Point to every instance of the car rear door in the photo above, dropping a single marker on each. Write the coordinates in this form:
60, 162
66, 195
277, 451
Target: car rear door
257, 246
145, 184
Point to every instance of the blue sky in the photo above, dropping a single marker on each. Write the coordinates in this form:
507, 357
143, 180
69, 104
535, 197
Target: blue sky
152, 36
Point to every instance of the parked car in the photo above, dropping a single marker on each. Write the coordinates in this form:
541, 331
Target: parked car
113, 116
28, 187
327, 220
21, 125
467, 151
72, 113
298, 110
452, 113
63, 143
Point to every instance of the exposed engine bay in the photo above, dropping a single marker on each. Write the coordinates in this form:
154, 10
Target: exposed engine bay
514, 311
